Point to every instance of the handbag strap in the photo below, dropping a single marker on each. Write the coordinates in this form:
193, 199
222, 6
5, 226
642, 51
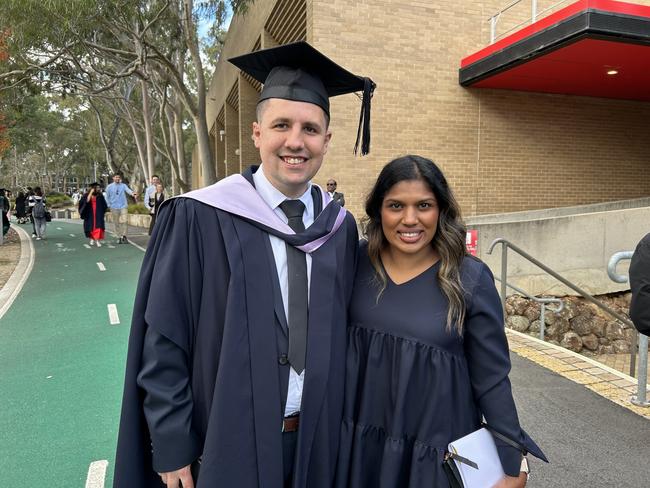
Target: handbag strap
462, 459
505, 439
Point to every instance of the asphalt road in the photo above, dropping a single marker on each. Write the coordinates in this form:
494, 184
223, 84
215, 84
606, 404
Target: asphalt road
590, 441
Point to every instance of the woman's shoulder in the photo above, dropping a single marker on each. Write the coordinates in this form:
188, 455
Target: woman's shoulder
472, 271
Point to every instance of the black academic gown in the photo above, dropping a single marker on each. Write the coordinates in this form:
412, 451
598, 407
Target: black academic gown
640, 286
86, 213
208, 286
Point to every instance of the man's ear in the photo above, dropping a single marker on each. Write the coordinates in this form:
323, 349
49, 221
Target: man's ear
257, 130
328, 138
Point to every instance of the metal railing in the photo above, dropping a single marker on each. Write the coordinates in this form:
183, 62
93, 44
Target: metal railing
504, 277
543, 301
535, 15
642, 378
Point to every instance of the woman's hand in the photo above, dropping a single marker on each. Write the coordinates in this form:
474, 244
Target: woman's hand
513, 482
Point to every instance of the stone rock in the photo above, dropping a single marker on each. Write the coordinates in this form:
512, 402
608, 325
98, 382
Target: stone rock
581, 324
590, 341
598, 325
518, 323
559, 327
532, 311
614, 331
606, 350
553, 342
604, 341
550, 317
629, 335
621, 347
534, 327
518, 304
572, 342
570, 309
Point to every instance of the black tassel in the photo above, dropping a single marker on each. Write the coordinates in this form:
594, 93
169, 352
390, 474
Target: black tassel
363, 132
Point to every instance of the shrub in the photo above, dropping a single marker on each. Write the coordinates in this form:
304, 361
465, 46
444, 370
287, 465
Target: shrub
138, 208
58, 200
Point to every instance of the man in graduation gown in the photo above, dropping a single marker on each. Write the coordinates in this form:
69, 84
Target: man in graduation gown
236, 358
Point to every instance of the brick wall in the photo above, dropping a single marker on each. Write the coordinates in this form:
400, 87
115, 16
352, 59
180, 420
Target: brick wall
501, 150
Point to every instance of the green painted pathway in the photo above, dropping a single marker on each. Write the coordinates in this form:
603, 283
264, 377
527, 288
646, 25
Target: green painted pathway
62, 363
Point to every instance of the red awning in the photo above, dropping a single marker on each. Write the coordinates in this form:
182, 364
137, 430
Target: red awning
598, 48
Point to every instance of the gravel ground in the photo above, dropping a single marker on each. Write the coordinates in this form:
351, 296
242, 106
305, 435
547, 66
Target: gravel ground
9, 255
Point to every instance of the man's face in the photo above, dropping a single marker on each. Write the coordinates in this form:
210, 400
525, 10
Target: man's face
155, 180
117, 179
292, 138
331, 186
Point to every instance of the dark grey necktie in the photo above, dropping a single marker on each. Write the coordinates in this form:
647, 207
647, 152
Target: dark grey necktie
297, 274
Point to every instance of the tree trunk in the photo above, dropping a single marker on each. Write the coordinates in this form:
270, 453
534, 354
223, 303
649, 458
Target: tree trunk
199, 118
179, 143
146, 115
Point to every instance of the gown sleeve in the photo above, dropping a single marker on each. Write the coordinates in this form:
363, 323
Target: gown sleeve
640, 286
170, 315
486, 349
164, 376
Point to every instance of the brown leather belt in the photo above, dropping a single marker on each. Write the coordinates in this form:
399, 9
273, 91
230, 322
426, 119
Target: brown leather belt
290, 424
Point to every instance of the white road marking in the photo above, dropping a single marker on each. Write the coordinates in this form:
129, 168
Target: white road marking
71, 235
59, 228
112, 314
87, 246
138, 247
59, 244
48, 377
110, 246
101, 266
96, 474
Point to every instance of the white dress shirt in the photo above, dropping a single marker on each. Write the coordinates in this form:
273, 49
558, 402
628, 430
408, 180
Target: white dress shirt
274, 197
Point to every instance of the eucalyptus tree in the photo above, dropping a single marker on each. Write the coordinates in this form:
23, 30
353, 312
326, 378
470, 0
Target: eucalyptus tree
90, 48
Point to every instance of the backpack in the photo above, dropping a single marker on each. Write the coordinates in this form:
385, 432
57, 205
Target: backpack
39, 209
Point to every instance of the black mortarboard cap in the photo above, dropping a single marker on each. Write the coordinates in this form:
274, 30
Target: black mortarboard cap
301, 73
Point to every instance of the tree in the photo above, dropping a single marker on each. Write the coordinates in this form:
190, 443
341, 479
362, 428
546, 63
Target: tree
90, 48
4, 140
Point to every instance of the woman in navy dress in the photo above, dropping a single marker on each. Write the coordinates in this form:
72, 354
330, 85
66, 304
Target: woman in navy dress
427, 352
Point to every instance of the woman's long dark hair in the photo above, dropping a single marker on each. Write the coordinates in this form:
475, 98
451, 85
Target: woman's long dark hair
449, 240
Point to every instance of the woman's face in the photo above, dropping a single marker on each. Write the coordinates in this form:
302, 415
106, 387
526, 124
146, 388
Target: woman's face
409, 217
159, 188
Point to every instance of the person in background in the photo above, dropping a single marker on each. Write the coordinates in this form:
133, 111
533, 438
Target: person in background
640, 286
37, 204
427, 354
116, 198
4, 208
30, 204
155, 200
149, 191
336, 196
92, 207
21, 208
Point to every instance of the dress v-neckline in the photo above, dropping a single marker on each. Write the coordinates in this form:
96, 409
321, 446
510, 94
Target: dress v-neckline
413, 278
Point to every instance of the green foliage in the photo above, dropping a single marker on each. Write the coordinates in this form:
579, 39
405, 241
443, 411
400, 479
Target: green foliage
138, 208
58, 200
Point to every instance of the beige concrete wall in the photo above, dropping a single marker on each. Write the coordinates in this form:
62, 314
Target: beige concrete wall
502, 151
577, 247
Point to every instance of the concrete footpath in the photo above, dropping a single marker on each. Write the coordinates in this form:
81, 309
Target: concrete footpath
63, 339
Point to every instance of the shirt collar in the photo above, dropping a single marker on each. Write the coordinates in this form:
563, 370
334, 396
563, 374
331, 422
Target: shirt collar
274, 197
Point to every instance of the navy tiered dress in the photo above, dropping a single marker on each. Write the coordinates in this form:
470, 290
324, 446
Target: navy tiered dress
412, 387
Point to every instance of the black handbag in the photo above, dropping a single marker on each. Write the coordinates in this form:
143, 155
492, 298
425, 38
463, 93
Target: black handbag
48, 216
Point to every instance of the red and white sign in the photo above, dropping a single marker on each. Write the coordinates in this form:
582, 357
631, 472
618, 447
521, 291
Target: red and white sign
471, 241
